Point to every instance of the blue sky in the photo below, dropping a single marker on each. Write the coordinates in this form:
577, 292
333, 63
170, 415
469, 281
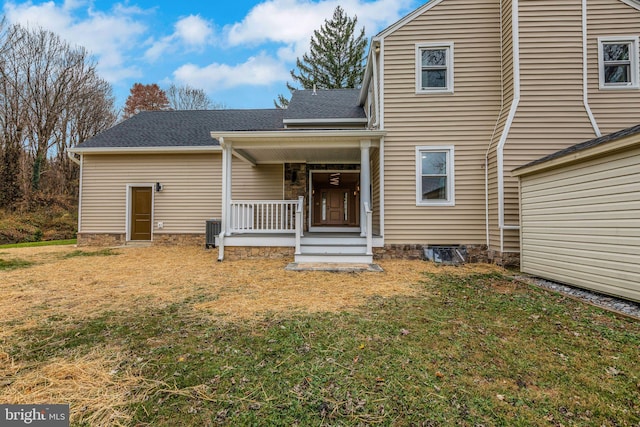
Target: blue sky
240, 52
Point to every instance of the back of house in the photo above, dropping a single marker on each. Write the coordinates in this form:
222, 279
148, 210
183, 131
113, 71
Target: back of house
455, 96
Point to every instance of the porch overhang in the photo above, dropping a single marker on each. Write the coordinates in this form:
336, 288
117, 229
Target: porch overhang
299, 146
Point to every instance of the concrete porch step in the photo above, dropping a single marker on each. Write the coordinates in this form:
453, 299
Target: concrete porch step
339, 248
334, 258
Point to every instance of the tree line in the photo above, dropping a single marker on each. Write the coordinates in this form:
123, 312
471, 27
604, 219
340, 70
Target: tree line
52, 99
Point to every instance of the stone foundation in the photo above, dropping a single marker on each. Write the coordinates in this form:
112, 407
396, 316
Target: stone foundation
257, 252
475, 253
504, 259
120, 239
101, 239
194, 239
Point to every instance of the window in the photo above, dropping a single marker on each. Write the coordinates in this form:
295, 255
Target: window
618, 62
434, 176
434, 68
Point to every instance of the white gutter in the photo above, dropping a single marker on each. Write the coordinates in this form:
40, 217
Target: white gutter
146, 150
512, 113
322, 121
73, 158
585, 86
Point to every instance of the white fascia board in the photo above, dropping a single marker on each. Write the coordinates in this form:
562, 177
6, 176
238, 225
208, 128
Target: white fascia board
408, 18
633, 3
297, 134
322, 121
368, 71
146, 150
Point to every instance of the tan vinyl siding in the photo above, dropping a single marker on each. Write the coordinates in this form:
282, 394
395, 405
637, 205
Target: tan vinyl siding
465, 120
613, 109
581, 224
551, 113
191, 194
192, 190
263, 182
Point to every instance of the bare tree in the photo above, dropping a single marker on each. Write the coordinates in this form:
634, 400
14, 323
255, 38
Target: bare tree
189, 98
52, 97
12, 122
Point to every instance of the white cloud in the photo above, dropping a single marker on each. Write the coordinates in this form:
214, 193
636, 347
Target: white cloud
194, 30
292, 22
258, 70
110, 36
191, 32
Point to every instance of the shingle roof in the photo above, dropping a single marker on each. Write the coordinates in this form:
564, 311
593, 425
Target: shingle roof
183, 128
585, 145
325, 104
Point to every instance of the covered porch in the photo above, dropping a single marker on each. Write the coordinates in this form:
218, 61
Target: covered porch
330, 210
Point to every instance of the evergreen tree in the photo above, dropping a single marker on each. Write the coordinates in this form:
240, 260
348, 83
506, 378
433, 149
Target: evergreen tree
335, 59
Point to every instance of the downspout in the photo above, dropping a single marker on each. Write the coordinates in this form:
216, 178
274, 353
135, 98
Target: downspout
507, 128
376, 102
585, 86
493, 135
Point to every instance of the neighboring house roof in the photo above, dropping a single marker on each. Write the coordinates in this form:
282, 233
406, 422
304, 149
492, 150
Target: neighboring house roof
312, 106
583, 146
182, 128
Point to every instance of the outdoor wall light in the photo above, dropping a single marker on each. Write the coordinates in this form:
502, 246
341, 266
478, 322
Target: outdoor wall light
158, 187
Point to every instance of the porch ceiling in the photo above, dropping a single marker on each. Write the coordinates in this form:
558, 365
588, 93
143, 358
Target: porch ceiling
328, 146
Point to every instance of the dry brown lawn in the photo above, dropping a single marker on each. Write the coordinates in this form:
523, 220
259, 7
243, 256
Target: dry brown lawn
81, 287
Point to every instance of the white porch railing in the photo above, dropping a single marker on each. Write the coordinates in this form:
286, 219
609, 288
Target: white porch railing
263, 216
369, 226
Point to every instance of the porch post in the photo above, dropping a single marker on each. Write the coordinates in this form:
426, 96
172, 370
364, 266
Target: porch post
227, 161
365, 184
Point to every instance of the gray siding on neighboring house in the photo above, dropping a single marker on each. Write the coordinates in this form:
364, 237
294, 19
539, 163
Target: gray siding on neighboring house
581, 224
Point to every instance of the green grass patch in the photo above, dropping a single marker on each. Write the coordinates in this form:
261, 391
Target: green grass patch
80, 253
13, 264
35, 244
470, 350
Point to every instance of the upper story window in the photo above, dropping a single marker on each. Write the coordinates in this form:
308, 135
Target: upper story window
434, 68
434, 176
618, 62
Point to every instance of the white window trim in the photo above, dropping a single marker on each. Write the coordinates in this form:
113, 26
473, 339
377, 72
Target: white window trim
444, 45
633, 57
451, 175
